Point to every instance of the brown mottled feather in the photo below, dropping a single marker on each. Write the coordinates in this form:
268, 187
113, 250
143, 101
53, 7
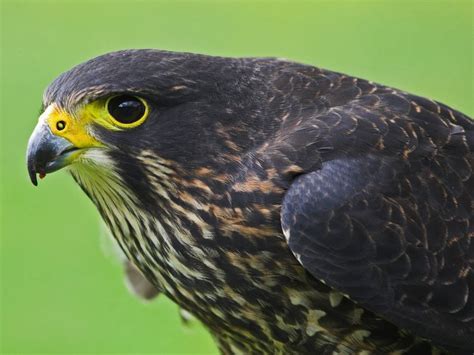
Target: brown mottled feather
387, 217
372, 187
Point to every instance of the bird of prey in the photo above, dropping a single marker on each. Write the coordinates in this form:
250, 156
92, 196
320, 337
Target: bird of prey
291, 209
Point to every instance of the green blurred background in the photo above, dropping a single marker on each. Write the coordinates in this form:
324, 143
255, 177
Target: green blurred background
59, 292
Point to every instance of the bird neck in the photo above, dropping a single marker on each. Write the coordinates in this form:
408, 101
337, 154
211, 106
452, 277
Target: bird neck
187, 230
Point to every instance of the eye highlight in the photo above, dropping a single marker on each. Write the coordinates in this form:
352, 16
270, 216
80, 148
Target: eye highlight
127, 110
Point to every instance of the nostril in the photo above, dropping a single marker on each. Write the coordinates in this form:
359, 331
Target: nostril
60, 125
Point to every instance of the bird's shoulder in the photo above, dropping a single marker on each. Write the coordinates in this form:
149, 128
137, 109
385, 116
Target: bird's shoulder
380, 202
319, 115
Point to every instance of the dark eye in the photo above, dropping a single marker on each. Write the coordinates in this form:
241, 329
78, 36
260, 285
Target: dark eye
126, 109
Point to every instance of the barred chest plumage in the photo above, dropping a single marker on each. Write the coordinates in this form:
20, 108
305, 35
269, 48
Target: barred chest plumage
223, 258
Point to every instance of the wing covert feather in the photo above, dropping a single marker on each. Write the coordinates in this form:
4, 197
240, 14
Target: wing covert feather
388, 217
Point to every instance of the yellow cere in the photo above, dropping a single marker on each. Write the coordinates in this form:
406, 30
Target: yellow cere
75, 126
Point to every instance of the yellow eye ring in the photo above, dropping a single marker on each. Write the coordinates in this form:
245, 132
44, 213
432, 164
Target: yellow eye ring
127, 111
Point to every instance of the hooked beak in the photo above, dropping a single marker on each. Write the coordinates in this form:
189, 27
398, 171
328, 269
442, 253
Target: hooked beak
47, 153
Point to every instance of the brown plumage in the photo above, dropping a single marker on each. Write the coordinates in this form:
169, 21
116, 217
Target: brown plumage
290, 208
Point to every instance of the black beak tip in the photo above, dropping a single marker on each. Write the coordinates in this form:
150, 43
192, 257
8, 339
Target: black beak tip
45, 153
31, 164
32, 173
34, 181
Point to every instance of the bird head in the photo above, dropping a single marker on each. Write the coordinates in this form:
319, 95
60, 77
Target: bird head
123, 109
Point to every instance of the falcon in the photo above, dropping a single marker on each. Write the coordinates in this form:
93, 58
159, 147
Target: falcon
291, 209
